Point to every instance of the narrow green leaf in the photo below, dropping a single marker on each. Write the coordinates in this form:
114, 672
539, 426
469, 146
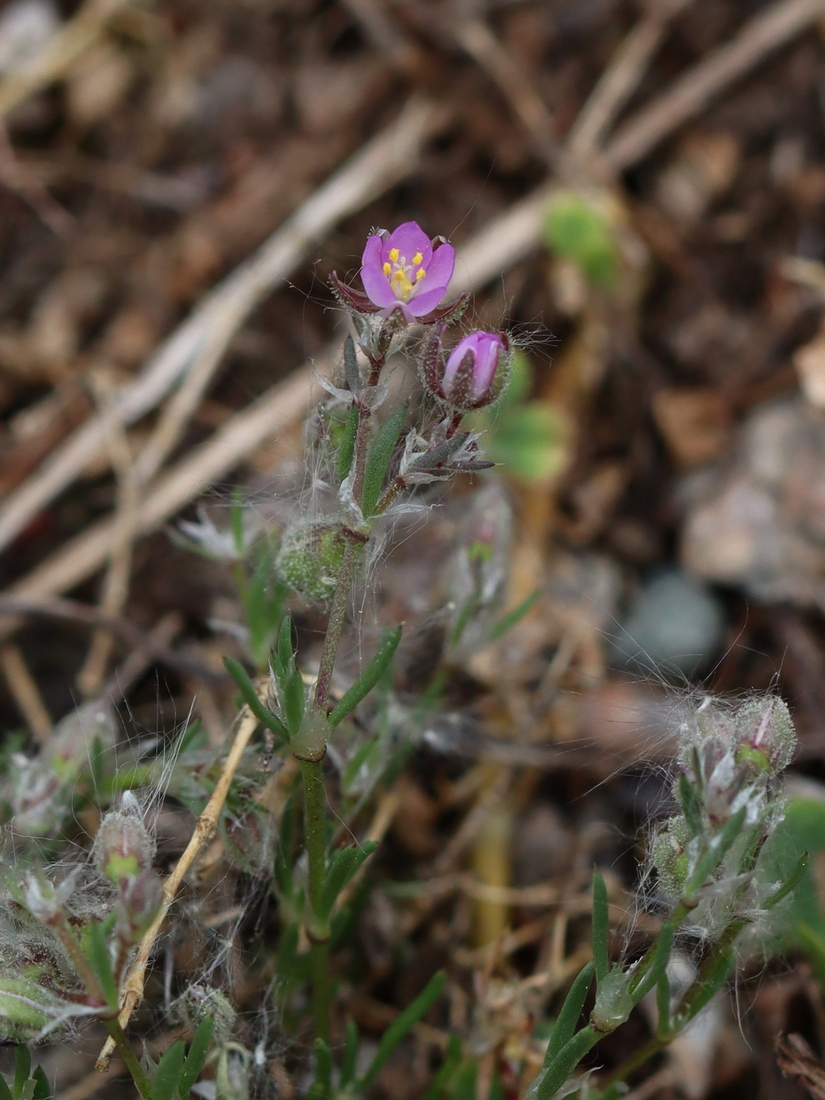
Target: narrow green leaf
690, 805
236, 520
22, 1068
716, 852
562, 1065
250, 697
412, 1014
351, 371
344, 865
661, 957
369, 677
379, 457
294, 701
286, 654
42, 1088
320, 1088
347, 447
350, 1054
508, 621
790, 883
709, 982
167, 1075
101, 963
5, 1091
571, 1010
663, 1004
196, 1057
452, 1060
601, 927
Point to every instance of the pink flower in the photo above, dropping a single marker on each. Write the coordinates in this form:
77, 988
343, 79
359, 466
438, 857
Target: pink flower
475, 371
405, 270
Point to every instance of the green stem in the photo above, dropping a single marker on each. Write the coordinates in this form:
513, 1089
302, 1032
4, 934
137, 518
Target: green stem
315, 841
129, 1058
335, 624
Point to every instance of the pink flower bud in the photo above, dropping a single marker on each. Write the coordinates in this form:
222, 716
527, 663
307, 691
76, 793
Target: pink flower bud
476, 371
140, 899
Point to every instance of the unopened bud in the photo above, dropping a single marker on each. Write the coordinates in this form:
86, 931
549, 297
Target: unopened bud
310, 558
24, 1009
475, 373
765, 734
613, 1001
140, 899
44, 900
124, 847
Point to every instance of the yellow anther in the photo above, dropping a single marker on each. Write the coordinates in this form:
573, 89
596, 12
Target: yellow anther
420, 274
417, 258
387, 268
394, 255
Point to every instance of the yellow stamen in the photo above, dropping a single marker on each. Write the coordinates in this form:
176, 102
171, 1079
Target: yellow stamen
420, 274
394, 255
387, 268
417, 258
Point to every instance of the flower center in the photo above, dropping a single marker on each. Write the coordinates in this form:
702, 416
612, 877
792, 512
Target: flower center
403, 277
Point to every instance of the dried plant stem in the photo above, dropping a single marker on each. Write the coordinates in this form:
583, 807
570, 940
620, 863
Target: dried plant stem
132, 988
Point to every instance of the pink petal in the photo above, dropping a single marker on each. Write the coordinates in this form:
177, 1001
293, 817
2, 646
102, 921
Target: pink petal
375, 281
410, 238
440, 268
425, 301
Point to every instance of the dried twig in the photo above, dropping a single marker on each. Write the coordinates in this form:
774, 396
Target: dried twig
25, 692
205, 828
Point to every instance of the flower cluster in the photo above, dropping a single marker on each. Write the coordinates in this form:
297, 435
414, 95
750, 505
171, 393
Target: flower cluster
728, 791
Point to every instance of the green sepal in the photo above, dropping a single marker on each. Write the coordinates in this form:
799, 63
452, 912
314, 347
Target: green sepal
691, 807
378, 460
369, 677
167, 1076
343, 866
196, 1056
571, 1010
250, 696
347, 447
97, 952
403, 1023
601, 927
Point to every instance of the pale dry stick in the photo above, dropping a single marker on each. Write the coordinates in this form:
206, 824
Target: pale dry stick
58, 54
517, 232
384, 161
692, 92
25, 692
115, 590
205, 827
483, 46
280, 407
620, 79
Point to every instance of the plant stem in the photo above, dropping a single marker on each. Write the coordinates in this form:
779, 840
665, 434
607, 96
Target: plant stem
130, 1058
315, 841
335, 624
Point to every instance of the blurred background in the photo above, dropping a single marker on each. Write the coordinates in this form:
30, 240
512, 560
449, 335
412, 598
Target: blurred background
635, 191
